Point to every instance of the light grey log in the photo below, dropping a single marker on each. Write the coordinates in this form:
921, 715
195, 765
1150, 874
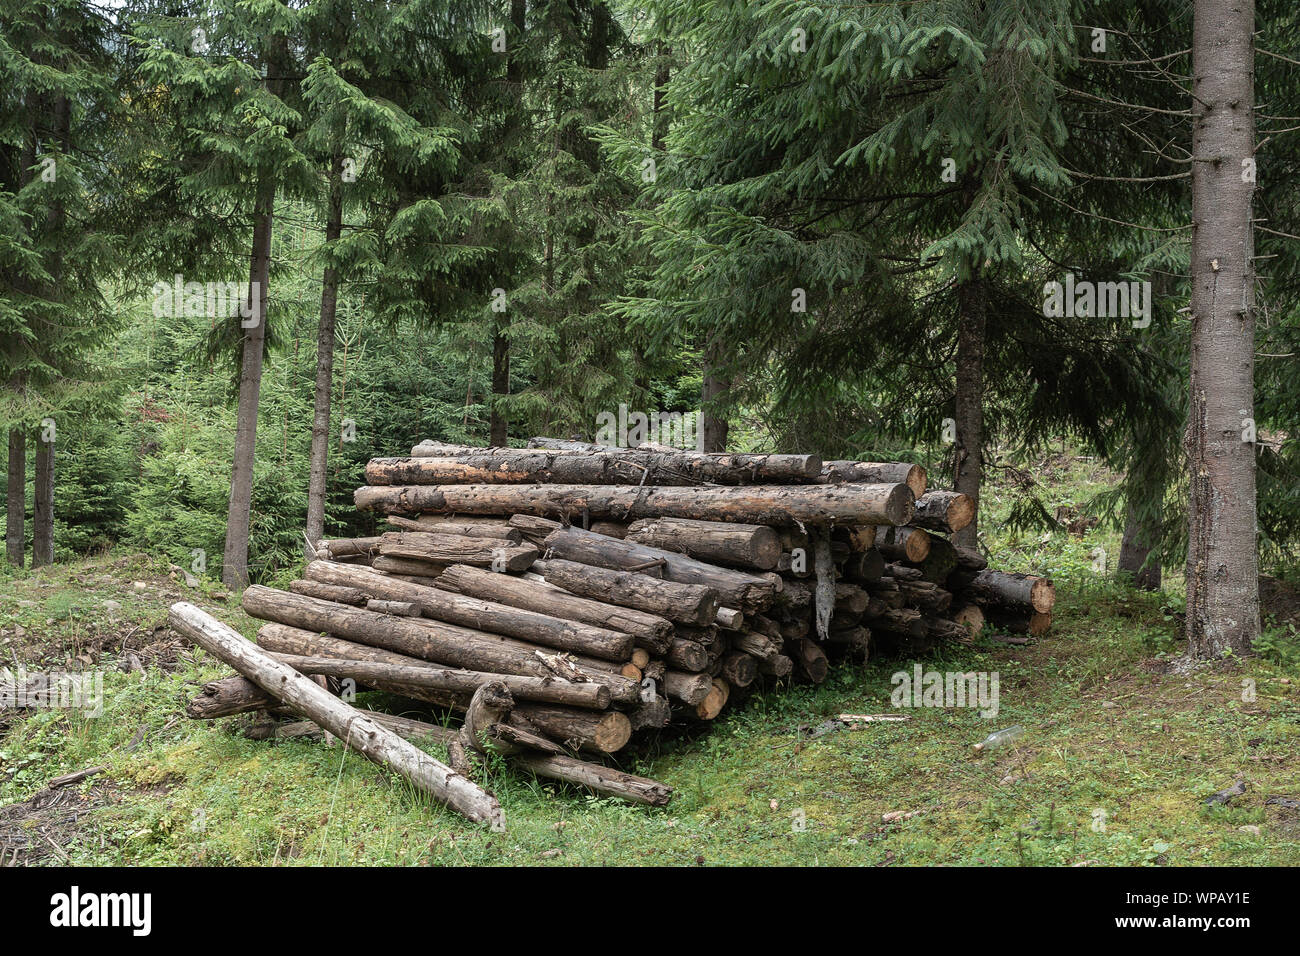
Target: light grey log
356, 730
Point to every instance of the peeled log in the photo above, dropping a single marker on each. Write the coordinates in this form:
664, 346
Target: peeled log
746, 545
622, 467
457, 549
687, 603
834, 472
758, 504
446, 605
945, 511
735, 588
649, 631
1006, 590
352, 727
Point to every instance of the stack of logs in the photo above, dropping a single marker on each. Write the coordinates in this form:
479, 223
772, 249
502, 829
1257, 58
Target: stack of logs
567, 596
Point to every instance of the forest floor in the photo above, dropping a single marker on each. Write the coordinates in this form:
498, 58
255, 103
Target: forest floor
1115, 766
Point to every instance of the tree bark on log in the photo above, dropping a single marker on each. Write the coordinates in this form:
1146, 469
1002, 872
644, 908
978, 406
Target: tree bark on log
647, 630
355, 729
734, 588
417, 637
548, 690
757, 504
447, 549
687, 688
330, 592
470, 528
455, 608
744, 545
903, 544
579, 729
874, 472
1005, 590
945, 511
627, 467
687, 603
810, 661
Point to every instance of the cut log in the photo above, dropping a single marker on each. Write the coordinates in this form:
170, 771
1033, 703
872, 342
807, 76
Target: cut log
532, 527
810, 661
579, 729
903, 544
970, 559
729, 618
739, 669
350, 547
417, 637
734, 588
970, 617
1001, 589
864, 566
647, 630
469, 527
740, 545
687, 688
406, 567
714, 700
614, 529
457, 549
601, 779
758, 504
907, 621
455, 608
419, 674
651, 714
687, 603
400, 608
834, 472
357, 731
778, 665
687, 655
858, 537
762, 646
329, 592
227, 696
945, 511
1032, 623
624, 467
939, 563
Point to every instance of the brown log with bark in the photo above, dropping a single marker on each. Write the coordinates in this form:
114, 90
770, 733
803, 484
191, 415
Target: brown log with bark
499, 618
810, 661
903, 544
1032, 623
778, 665
756, 504
330, 592
420, 637
419, 674
945, 511
623, 467
686, 603
739, 545
407, 567
349, 547
687, 688
357, 731
734, 588
400, 608
578, 729
469, 527
871, 472
941, 562
687, 655
739, 669
998, 588
447, 549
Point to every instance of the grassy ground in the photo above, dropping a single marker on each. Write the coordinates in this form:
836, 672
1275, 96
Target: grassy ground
1114, 766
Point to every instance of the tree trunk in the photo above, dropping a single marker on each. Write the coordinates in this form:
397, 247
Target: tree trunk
320, 425
713, 420
16, 499
354, 729
1222, 563
234, 567
967, 453
1134, 551
43, 505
